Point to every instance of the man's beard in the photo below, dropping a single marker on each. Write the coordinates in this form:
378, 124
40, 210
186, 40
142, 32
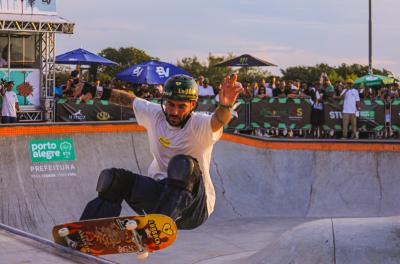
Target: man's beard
177, 121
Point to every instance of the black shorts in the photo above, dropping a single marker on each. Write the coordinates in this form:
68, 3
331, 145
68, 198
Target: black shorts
147, 192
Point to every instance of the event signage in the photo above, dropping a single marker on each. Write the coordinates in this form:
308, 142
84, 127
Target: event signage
28, 7
395, 114
26, 84
52, 158
51, 150
280, 113
370, 118
93, 110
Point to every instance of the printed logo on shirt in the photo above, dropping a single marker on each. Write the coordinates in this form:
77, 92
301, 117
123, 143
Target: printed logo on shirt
165, 142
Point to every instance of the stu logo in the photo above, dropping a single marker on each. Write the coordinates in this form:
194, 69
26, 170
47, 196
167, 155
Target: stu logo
162, 72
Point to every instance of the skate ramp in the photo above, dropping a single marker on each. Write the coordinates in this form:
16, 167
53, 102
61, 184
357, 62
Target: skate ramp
356, 241
264, 190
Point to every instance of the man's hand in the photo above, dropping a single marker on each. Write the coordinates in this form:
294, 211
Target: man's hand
230, 91
227, 97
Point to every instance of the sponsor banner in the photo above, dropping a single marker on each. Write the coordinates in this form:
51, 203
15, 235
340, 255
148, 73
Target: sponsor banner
93, 110
53, 170
395, 114
26, 84
282, 113
38, 7
52, 158
51, 150
370, 118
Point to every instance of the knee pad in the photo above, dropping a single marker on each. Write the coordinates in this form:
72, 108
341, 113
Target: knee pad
115, 184
184, 172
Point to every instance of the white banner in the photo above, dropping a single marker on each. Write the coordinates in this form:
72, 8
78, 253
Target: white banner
28, 7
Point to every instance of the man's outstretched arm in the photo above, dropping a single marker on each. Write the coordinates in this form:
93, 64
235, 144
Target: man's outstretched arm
227, 98
120, 97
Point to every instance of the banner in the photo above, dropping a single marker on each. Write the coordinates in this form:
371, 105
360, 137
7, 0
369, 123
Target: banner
77, 111
26, 85
395, 115
281, 113
39, 7
371, 117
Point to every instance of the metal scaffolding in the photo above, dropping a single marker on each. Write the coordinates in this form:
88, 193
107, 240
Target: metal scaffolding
45, 28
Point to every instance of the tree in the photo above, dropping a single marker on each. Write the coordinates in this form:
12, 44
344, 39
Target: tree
342, 72
192, 65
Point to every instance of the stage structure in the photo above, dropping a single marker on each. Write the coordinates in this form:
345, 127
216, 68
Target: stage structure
27, 48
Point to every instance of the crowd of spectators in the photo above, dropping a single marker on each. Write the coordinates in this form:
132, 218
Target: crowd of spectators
315, 93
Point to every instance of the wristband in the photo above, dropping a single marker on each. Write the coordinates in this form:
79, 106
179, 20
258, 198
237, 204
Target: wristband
229, 107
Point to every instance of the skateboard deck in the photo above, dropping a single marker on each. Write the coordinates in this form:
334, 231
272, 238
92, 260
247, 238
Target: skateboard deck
138, 234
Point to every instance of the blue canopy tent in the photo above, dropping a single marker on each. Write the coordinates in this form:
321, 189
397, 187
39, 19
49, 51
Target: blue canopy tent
83, 57
150, 72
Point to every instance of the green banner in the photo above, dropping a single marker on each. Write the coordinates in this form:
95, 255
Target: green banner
282, 113
371, 117
50, 150
395, 115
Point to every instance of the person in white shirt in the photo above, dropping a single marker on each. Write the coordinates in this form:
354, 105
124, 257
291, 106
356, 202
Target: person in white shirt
181, 141
206, 90
10, 105
351, 106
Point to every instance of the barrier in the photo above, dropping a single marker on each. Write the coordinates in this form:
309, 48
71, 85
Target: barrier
290, 114
371, 117
281, 113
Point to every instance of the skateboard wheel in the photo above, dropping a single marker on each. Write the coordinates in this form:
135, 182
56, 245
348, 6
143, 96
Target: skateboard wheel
131, 225
63, 232
143, 255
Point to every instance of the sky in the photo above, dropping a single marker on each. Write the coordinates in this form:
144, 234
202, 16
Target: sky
284, 32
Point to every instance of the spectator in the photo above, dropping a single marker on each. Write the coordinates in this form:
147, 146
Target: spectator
351, 105
265, 89
255, 89
4, 57
10, 105
280, 90
206, 90
74, 85
99, 89
58, 89
317, 110
327, 87
158, 90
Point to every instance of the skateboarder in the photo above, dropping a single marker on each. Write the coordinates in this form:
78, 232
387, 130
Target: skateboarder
181, 141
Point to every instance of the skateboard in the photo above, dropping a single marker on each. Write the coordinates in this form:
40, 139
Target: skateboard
131, 234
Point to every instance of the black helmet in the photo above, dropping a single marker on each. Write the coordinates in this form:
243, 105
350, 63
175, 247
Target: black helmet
181, 87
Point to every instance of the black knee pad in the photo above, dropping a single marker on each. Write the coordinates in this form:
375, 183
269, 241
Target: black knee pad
183, 172
115, 184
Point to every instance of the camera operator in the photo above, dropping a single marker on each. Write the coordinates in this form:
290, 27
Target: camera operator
10, 105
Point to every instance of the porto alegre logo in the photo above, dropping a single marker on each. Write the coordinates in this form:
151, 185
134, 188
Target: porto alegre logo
51, 150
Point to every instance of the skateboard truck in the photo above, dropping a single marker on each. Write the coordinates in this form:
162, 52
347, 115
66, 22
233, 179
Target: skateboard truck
131, 225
